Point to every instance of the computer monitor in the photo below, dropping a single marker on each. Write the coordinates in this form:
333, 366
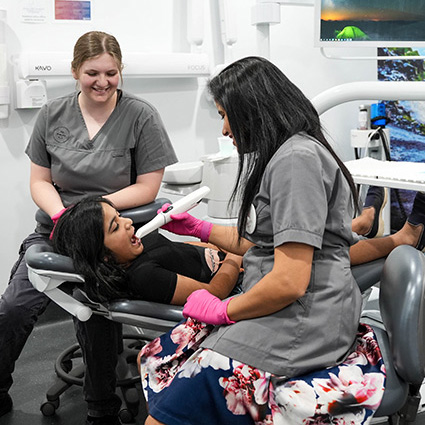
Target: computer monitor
374, 23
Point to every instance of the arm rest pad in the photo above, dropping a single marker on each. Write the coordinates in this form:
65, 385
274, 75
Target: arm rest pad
147, 308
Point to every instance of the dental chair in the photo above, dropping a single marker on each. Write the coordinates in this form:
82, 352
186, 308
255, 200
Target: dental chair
399, 323
54, 275
47, 271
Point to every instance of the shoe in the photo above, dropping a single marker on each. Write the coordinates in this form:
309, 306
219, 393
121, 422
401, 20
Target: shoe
417, 218
377, 198
6, 404
103, 420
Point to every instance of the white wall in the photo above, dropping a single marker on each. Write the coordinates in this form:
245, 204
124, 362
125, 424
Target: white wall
191, 120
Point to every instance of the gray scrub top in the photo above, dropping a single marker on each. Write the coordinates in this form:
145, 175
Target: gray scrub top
303, 197
133, 141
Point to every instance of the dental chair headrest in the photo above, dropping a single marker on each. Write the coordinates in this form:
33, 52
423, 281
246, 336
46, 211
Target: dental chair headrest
139, 215
41, 256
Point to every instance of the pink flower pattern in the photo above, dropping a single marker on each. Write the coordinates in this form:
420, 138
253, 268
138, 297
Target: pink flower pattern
350, 391
367, 347
189, 334
347, 394
246, 390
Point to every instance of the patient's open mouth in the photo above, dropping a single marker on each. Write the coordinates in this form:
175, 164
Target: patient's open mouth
135, 240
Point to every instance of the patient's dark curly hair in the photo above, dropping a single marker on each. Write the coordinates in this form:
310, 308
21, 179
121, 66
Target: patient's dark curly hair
79, 235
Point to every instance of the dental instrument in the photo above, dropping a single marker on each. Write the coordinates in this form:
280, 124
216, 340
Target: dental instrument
180, 206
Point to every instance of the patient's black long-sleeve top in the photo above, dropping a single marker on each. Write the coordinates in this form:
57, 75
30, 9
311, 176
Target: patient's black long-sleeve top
153, 275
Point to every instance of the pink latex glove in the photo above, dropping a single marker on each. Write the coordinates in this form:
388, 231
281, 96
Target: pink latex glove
58, 215
55, 218
186, 224
207, 308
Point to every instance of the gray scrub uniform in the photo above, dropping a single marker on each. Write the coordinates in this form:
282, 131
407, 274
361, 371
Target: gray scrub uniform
305, 198
133, 141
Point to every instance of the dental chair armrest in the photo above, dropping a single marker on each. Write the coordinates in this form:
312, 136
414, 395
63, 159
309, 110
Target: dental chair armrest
148, 308
368, 274
148, 314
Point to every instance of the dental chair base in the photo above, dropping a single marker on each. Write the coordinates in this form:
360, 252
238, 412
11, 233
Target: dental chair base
69, 369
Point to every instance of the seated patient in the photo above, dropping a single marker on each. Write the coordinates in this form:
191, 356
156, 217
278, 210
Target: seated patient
115, 263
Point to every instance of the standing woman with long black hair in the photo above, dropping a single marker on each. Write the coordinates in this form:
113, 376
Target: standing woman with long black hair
300, 306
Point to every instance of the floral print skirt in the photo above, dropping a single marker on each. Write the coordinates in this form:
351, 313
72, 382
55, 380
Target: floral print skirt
186, 384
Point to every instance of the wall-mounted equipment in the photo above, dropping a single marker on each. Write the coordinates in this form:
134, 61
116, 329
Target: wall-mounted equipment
171, 65
267, 12
30, 94
33, 69
4, 85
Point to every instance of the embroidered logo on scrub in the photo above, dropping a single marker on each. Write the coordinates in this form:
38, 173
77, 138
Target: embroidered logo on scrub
61, 134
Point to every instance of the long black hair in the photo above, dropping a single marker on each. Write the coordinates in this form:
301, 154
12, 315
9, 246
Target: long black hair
264, 109
79, 235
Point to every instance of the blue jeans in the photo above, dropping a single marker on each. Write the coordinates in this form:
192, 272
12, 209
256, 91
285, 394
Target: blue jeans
99, 338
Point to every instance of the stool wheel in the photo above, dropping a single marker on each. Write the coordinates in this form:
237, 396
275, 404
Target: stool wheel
66, 365
126, 416
48, 408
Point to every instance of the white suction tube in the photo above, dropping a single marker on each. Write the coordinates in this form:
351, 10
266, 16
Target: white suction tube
182, 205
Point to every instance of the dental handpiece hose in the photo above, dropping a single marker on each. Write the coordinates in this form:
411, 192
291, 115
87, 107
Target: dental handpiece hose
180, 206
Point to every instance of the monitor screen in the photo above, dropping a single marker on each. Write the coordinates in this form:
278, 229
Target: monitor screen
375, 23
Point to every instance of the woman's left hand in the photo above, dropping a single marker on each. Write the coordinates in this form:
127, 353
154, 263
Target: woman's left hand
207, 308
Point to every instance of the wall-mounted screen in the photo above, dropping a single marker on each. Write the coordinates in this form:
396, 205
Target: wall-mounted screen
375, 23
